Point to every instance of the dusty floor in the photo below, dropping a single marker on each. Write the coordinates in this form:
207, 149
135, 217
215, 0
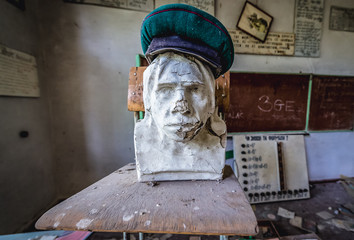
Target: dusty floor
327, 197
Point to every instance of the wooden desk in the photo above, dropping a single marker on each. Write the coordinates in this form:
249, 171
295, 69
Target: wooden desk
118, 203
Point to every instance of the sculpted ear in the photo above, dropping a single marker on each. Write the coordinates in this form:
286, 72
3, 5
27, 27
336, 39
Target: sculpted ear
218, 127
217, 124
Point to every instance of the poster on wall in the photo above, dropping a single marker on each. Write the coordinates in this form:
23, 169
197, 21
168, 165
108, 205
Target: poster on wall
18, 74
139, 5
279, 44
206, 5
341, 19
308, 27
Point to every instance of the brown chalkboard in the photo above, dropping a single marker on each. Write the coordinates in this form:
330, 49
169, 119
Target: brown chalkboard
332, 103
261, 102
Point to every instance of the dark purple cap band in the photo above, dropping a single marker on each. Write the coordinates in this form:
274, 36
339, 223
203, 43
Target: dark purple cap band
178, 44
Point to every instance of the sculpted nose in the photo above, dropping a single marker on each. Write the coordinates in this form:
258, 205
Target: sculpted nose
181, 104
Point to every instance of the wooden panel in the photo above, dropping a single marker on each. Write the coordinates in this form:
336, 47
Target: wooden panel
119, 203
142, 61
332, 103
135, 90
267, 102
222, 92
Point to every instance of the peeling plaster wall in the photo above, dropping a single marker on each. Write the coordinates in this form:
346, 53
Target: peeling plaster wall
26, 180
87, 52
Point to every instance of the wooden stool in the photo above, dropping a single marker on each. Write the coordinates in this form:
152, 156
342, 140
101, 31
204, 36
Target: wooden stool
118, 203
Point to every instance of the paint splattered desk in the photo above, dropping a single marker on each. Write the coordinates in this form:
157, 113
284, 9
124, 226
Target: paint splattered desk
118, 203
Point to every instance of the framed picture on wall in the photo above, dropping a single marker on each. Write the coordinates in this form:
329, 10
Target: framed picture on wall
254, 21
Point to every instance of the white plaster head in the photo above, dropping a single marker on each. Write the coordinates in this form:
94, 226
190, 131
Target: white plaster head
179, 97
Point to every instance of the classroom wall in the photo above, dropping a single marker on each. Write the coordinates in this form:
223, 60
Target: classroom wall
26, 174
87, 52
328, 154
80, 129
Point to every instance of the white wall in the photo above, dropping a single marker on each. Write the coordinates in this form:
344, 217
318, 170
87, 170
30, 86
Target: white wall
26, 174
87, 52
335, 57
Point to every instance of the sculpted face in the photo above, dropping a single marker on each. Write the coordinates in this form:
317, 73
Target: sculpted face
181, 96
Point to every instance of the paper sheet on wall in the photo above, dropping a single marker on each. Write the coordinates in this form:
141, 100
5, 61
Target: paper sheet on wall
308, 27
206, 5
281, 44
341, 19
271, 167
18, 73
140, 5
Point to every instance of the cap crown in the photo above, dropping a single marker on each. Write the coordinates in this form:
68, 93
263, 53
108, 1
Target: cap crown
192, 24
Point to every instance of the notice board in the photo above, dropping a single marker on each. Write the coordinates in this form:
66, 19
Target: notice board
18, 73
332, 103
262, 102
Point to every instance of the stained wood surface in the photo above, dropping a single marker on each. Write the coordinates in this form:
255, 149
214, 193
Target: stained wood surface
135, 90
262, 102
118, 203
332, 103
222, 92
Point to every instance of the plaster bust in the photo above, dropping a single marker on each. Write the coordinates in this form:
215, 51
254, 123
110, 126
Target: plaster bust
181, 136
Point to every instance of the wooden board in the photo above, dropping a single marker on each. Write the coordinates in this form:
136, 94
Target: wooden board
135, 90
118, 203
332, 103
267, 102
222, 92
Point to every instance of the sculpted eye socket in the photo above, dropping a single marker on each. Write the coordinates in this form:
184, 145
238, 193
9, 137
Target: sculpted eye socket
165, 88
196, 88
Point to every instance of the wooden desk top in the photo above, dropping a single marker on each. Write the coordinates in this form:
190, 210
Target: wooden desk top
118, 203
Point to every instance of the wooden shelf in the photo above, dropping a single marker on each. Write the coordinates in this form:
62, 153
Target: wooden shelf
118, 203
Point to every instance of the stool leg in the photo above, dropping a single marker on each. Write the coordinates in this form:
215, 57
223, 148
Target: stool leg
141, 236
124, 236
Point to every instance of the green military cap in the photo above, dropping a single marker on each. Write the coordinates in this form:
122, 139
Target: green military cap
186, 29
